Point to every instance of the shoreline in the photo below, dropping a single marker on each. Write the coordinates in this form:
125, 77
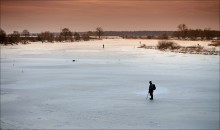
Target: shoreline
186, 47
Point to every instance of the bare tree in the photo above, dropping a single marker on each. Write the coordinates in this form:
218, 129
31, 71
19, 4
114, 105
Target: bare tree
99, 32
46, 36
66, 33
182, 28
25, 33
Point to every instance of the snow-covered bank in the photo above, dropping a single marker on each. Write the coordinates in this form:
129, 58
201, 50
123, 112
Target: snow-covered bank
106, 88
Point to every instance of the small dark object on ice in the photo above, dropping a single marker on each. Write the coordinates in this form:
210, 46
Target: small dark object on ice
74, 60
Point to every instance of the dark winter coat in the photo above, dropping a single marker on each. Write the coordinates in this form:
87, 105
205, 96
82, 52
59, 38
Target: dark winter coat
151, 88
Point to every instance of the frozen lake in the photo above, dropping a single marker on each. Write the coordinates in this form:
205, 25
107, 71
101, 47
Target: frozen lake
42, 88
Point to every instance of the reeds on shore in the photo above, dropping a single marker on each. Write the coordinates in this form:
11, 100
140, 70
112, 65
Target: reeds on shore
165, 45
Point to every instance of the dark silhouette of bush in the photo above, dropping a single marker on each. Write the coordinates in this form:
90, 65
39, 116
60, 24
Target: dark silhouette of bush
14, 38
2, 36
76, 36
46, 37
167, 45
85, 37
25, 36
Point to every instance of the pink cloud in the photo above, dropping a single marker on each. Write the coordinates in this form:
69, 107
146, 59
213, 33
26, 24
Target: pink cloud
82, 15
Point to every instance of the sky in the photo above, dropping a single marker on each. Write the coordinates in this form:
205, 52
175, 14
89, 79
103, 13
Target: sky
112, 15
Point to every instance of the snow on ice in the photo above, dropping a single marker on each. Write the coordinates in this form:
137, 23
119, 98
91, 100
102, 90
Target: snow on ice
42, 88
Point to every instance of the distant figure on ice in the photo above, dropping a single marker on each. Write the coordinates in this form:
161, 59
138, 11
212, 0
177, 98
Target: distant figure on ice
103, 46
152, 87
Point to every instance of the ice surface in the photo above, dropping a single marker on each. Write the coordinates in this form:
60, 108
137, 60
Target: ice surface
42, 88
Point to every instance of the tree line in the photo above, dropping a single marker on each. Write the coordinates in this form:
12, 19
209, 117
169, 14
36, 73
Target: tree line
66, 35
184, 33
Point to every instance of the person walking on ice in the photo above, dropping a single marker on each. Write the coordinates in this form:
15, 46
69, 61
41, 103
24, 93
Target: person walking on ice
152, 87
